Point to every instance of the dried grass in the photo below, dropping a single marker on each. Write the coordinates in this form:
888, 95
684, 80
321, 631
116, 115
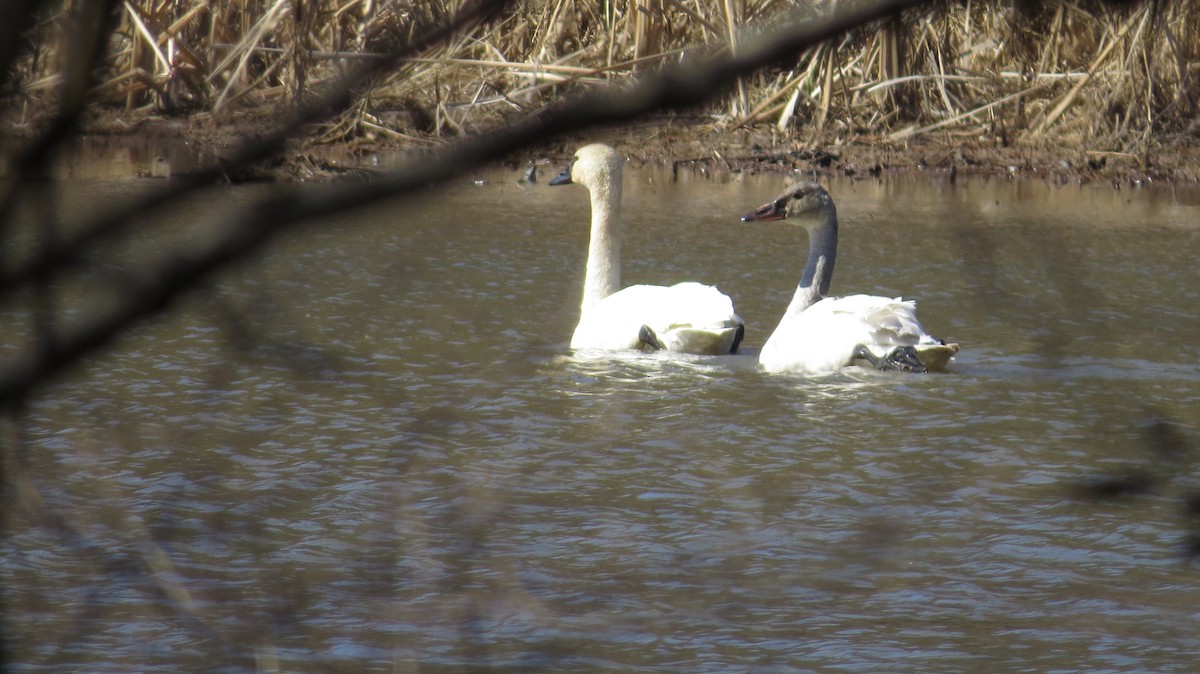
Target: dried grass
1120, 74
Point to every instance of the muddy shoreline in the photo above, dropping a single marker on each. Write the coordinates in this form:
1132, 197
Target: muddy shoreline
1047, 91
160, 147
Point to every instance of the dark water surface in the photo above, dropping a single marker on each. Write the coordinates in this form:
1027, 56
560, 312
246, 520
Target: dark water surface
371, 450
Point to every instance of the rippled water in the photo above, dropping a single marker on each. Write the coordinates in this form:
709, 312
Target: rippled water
372, 451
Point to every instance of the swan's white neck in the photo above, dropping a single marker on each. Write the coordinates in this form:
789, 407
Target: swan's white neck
603, 275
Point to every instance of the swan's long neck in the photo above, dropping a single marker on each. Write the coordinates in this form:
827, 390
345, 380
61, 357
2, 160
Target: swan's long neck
818, 272
603, 275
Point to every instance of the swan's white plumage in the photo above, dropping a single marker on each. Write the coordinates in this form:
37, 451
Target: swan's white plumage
825, 336
689, 317
819, 334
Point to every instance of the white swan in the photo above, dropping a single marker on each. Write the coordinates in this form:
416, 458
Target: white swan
823, 334
688, 317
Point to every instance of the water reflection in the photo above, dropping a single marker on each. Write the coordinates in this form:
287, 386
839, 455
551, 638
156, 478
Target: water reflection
372, 450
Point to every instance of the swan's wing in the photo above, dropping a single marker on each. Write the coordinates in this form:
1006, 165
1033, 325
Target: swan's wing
889, 322
696, 318
689, 316
824, 337
693, 305
893, 323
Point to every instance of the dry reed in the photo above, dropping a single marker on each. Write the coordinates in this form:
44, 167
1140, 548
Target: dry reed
1113, 77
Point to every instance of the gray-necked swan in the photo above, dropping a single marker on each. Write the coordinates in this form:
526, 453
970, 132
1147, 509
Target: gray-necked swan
688, 317
823, 334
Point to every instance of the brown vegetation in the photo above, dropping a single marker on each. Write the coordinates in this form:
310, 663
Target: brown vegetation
1109, 81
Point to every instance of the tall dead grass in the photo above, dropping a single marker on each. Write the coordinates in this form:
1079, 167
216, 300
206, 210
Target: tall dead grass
1110, 75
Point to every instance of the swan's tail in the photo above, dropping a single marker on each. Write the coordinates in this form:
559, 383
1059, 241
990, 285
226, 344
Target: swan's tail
935, 357
711, 341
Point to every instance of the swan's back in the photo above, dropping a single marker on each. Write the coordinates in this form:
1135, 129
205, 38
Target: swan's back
825, 336
689, 316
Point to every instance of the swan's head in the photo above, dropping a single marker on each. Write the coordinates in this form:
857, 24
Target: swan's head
802, 201
594, 166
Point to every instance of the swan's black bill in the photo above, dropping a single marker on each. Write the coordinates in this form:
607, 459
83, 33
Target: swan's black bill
563, 178
776, 210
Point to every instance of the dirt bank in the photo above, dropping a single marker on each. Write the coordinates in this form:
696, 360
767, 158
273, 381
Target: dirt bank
113, 143
756, 150
192, 142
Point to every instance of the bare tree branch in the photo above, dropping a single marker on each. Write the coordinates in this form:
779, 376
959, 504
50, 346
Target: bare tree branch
679, 87
89, 26
471, 14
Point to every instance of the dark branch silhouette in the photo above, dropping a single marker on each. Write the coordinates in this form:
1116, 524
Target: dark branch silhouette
115, 223
673, 88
